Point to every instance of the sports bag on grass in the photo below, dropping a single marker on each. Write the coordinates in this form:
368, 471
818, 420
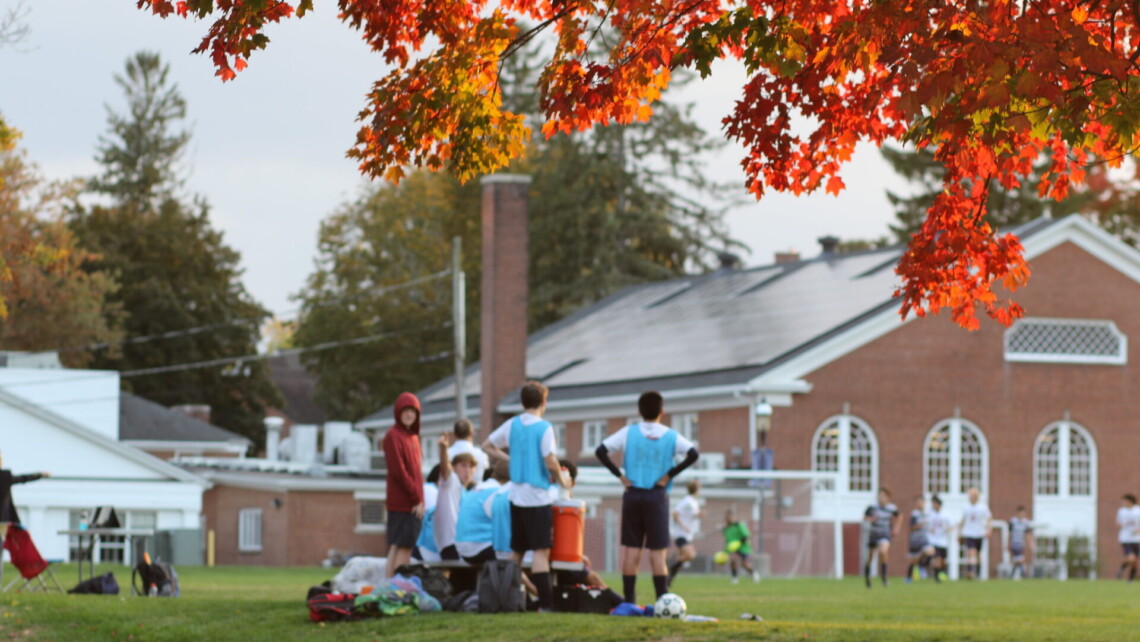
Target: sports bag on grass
157, 578
585, 599
500, 587
332, 607
105, 584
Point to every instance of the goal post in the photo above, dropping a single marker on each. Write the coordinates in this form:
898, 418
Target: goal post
793, 517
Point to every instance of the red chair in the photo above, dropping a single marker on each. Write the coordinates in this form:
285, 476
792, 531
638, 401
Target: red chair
34, 569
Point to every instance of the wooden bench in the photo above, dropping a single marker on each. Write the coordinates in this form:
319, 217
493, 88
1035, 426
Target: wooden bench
465, 576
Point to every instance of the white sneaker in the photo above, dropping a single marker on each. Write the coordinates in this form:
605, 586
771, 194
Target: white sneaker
756, 576
736, 580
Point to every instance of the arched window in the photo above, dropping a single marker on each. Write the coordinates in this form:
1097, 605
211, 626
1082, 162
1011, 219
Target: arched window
846, 444
955, 458
1064, 461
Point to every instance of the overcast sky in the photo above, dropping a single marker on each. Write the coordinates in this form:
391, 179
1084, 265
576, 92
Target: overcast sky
268, 149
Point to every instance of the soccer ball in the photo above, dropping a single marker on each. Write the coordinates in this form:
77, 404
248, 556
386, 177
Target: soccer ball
733, 547
720, 557
670, 606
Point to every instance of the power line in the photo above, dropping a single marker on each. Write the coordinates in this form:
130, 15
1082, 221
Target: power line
185, 332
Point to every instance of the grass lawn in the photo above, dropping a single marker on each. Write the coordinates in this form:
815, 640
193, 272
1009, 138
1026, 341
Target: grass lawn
248, 604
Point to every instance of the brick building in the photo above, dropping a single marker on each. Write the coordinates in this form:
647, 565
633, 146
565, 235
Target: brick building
1041, 413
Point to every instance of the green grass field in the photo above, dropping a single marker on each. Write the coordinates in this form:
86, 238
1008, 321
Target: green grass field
250, 604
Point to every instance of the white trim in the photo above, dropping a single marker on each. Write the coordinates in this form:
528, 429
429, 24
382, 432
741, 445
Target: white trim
1064, 459
251, 519
1090, 238
954, 474
129, 452
236, 447
275, 484
1047, 357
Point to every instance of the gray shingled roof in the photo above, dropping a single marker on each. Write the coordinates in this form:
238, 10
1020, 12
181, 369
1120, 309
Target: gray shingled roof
720, 328
144, 420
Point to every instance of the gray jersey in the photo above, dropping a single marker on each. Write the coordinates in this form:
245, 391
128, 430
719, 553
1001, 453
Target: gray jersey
919, 537
1019, 528
880, 519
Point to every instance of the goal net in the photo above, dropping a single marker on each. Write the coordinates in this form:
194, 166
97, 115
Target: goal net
794, 525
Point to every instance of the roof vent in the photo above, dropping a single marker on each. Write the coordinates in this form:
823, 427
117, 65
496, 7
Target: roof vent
828, 245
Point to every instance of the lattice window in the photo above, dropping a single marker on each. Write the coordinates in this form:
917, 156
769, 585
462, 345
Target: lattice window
827, 453
1080, 463
1066, 341
1046, 463
973, 458
861, 454
938, 461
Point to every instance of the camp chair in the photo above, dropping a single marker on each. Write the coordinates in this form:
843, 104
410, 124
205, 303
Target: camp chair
35, 571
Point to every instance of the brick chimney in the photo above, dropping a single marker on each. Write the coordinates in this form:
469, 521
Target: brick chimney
503, 308
787, 256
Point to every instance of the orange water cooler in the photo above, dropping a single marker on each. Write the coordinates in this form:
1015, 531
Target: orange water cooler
569, 531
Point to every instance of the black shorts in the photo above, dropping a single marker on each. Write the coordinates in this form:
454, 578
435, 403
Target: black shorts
571, 578
645, 518
974, 543
916, 547
1131, 548
482, 557
403, 528
449, 553
532, 528
682, 542
1017, 552
941, 552
873, 540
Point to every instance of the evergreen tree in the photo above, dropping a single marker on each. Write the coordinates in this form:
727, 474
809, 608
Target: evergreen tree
175, 270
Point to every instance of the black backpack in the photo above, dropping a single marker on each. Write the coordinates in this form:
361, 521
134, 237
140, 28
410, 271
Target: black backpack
500, 587
435, 583
157, 578
105, 584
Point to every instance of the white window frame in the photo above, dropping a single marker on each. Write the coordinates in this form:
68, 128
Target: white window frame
429, 444
1065, 431
559, 440
688, 425
844, 423
1119, 359
593, 433
957, 426
250, 530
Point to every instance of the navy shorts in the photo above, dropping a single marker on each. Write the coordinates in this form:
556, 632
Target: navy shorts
1017, 552
532, 528
682, 541
917, 546
1131, 548
974, 543
941, 552
645, 518
403, 528
874, 539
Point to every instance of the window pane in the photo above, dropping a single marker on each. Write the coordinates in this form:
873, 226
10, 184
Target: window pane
973, 460
827, 452
1080, 463
372, 513
1045, 463
938, 461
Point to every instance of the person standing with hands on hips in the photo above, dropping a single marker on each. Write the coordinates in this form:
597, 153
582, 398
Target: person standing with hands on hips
534, 471
650, 447
405, 501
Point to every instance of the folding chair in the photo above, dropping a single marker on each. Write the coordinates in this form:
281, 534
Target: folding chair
35, 571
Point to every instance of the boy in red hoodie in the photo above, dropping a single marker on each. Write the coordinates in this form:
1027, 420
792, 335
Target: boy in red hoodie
405, 481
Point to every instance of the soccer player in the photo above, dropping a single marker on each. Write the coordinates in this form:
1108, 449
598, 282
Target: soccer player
475, 531
736, 538
974, 528
938, 527
686, 524
918, 541
883, 521
1128, 519
534, 469
649, 448
1020, 542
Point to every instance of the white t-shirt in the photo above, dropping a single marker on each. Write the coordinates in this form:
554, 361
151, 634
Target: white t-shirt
471, 549
651, 430
974, 518
523, 494
465, 446
938, 529
687, 512
1128, 519
431, 493
447, 510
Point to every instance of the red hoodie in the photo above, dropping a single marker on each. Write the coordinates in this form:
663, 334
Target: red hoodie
404, 458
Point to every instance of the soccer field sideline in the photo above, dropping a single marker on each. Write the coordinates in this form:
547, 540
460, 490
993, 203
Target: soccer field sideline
248, 604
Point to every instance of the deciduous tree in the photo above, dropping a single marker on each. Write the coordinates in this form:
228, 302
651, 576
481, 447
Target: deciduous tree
991, 85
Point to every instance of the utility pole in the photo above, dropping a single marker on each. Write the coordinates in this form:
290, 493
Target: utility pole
458, 324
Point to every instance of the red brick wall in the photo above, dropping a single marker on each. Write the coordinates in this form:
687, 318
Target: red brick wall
299, 533
905, 382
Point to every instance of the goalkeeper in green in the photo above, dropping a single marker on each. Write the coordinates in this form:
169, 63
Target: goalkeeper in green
736, 537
